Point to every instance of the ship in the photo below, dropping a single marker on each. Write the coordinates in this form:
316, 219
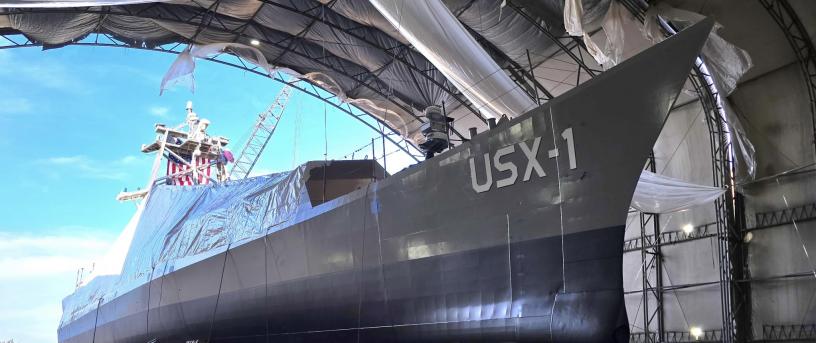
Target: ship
513, 236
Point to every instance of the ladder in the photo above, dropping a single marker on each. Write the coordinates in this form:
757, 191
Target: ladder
261, 133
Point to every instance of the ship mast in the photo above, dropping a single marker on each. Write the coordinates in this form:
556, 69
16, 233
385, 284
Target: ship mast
189, 152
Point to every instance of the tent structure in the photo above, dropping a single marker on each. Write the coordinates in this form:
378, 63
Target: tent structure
382, 58
345, 46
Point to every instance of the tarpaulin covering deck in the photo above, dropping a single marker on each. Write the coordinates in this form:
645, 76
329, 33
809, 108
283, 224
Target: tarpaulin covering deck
181, 225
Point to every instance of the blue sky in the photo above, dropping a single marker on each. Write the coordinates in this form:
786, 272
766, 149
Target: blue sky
71, 124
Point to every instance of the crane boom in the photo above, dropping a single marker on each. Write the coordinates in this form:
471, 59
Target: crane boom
261, 133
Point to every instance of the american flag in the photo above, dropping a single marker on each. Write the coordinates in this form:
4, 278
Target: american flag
174, 166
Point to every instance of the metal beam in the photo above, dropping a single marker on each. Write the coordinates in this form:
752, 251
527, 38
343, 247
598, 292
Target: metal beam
581, 65
784, 216
312, 89
362, 78
789, 333
516, 68
388, 51
708, 336
670, 237
652, 259
796, 34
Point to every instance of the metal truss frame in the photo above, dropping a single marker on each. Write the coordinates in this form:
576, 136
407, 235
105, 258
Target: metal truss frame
784, 216
651, 259
796, 34
770, 333
727, 229
708, 336
209, 18
578, 59
304, 86
737, 279
670, 237
216, 22
802, 333
734, 297
730, 227
400, 55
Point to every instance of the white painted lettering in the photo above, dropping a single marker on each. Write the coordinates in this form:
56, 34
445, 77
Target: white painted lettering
532, 162
479, 188
502, 166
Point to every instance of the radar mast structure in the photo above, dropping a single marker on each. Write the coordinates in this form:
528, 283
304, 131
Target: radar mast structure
190, 153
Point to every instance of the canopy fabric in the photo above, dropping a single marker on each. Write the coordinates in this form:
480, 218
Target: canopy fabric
183, 67
435, 32
510, 54
346, 46
69, 3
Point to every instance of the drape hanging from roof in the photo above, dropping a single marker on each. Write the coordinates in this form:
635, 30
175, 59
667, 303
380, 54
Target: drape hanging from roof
727, 63
182, 69
346, 46
71, 3
435, 32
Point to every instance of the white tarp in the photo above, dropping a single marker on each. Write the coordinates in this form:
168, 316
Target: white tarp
178, 226
744, 149
436, 33
612, 26
181, 71
726, 61
352, 46
661, 194
71, 3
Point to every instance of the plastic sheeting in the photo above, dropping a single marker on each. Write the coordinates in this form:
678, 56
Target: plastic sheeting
726, 61
71, 3
507, 30
181, 71
346, 43
611, 25
574, 17
182, 225
727, 64
744, 149
661, 194
38, 26
613, 28
435, 32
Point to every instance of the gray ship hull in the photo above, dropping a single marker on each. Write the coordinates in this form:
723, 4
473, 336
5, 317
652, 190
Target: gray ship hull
515, 236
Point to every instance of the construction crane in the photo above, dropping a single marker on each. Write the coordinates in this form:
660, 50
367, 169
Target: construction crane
261, 133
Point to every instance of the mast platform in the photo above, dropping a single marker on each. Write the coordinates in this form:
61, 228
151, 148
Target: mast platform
179, 142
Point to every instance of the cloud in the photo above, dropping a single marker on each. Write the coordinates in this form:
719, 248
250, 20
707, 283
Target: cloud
118, 169
159, 111
49, 73
142, 74
15, 105
38, 272
66, 160
129, 159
